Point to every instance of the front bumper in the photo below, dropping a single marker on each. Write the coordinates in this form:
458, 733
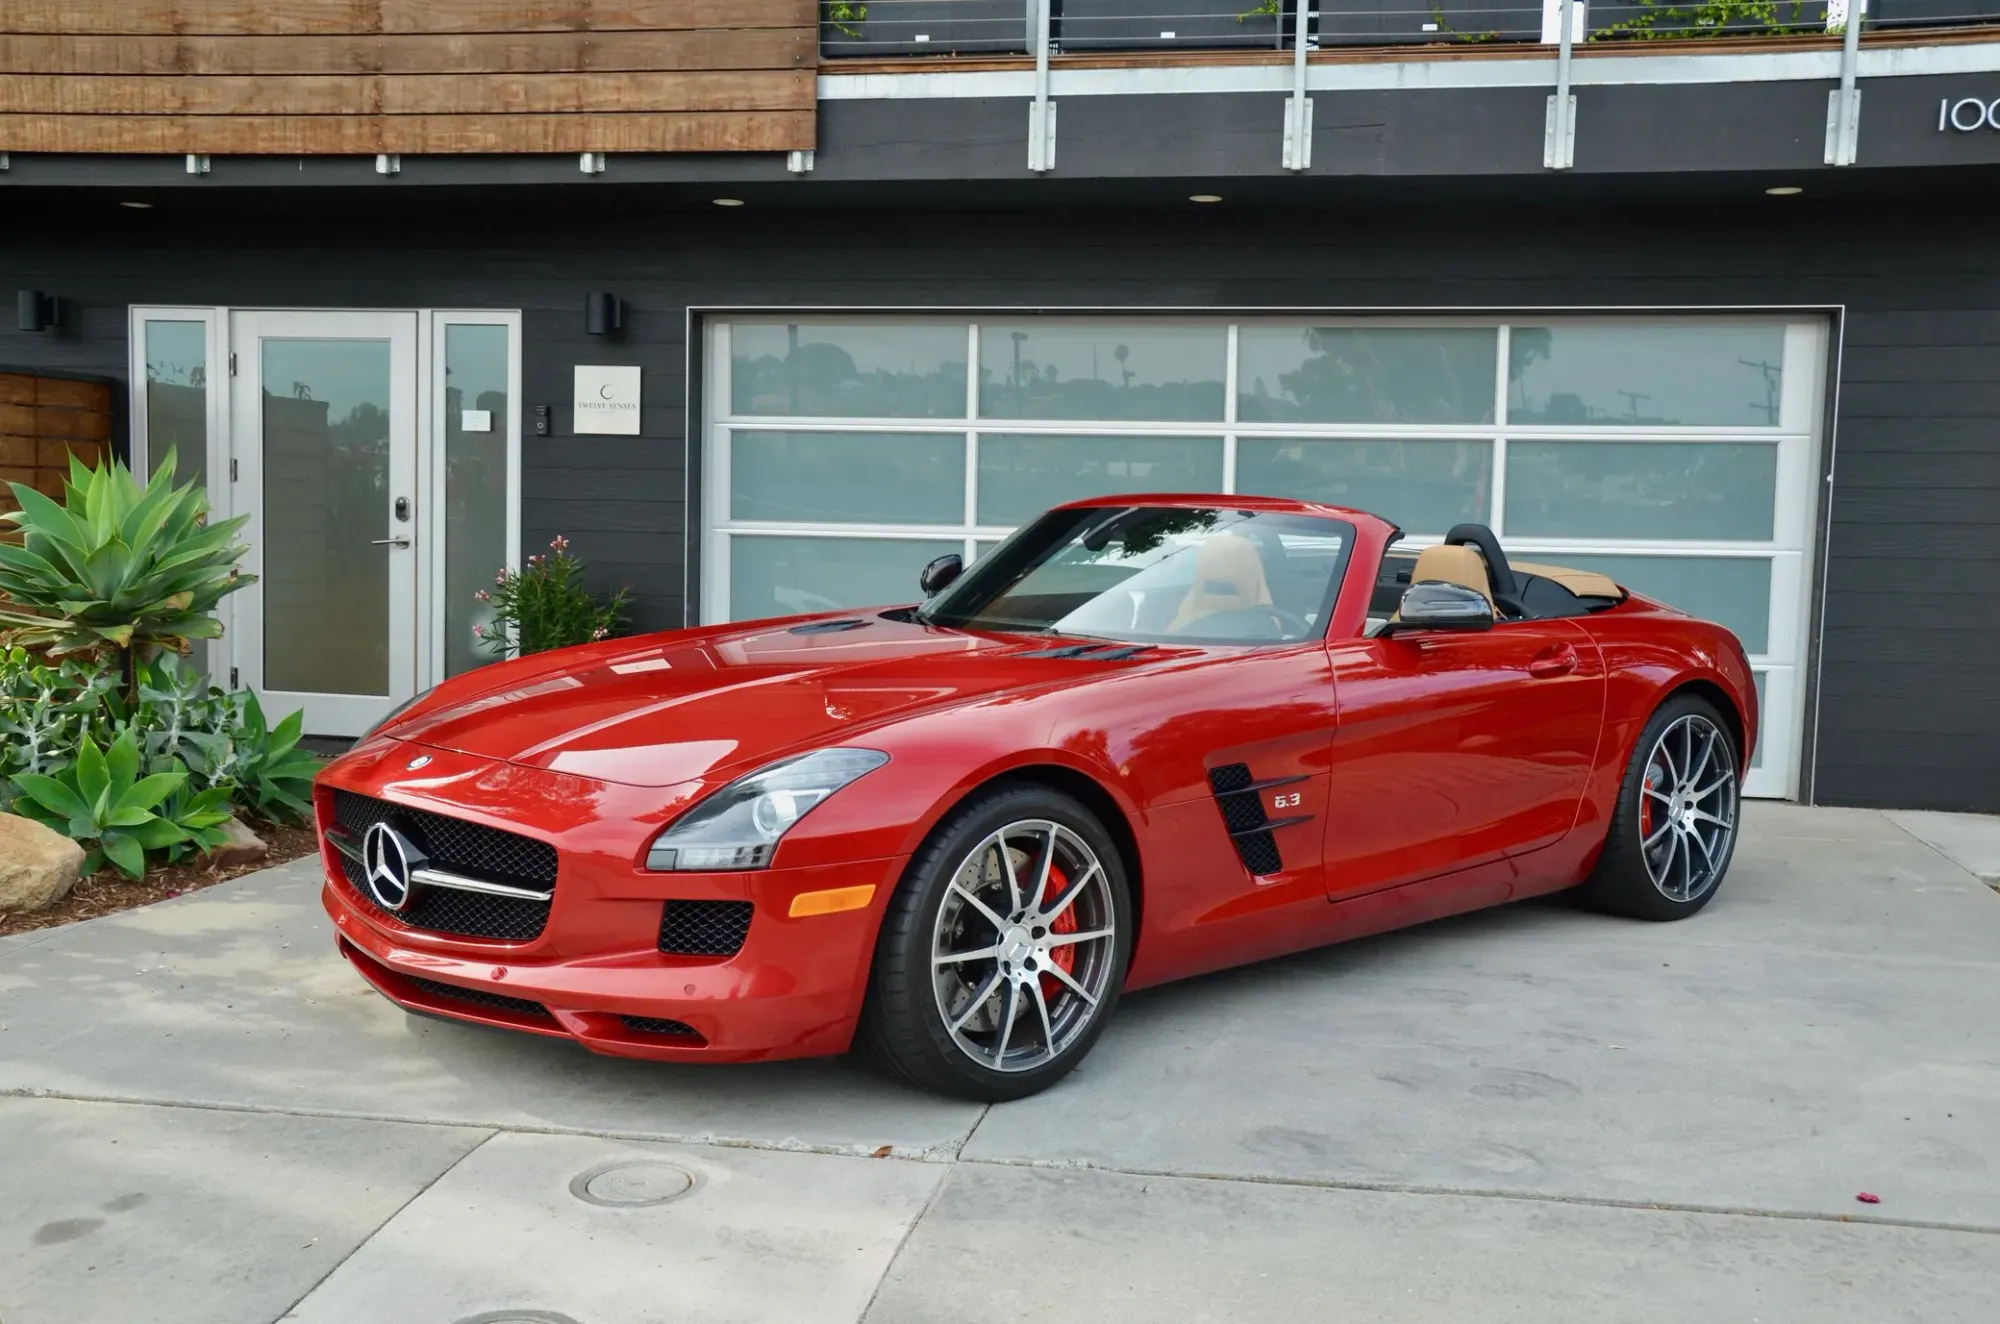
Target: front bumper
596, 974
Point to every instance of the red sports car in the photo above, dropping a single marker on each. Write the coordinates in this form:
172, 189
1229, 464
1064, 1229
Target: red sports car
1146, 737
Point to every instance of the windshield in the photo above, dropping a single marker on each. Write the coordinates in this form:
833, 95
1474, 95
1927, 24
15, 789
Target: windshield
1156, 574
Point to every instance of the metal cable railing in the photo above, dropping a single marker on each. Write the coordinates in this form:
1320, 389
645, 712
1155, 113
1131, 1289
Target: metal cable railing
896, 28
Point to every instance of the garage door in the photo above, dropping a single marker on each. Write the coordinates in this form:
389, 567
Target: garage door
1676, 454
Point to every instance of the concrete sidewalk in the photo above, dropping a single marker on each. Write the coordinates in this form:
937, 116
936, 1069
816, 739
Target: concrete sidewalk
1532, 1113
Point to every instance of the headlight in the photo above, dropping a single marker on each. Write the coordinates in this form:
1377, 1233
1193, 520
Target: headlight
740, 825
396, 712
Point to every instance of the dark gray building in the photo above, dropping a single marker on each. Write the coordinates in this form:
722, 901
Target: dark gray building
1704, 325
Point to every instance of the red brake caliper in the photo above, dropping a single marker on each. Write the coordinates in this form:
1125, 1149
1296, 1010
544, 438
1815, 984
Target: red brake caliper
1646, 802
1064, 956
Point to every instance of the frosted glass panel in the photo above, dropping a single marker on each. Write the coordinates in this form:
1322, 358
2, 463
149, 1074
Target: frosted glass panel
177, 397
1721, 375
326, 499
1102, 370
1611, 489
1351, 374
856, 369
1757, 758
785, 576
1020, 476
177, 415
475, 483
847, 477
1731, 591
1421, 486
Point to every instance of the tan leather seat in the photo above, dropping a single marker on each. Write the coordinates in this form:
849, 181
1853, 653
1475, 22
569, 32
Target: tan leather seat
1453, 565
1583, 583
1228, 576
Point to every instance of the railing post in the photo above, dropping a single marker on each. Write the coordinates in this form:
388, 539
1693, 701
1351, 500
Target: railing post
1298, 148
1042, 112
1843, 105
1559, 125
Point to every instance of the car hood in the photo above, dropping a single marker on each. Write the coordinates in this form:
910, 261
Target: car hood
689, 705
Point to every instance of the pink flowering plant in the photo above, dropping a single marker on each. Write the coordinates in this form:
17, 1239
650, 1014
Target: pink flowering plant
545, 605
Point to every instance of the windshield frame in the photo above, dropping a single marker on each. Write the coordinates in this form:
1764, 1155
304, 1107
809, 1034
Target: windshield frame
1033, 544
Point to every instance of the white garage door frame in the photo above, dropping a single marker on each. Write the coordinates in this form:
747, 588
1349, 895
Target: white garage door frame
1796, 434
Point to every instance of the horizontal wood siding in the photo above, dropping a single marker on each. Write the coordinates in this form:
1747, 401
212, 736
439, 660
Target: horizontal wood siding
1906, 714
312, 77
418, 53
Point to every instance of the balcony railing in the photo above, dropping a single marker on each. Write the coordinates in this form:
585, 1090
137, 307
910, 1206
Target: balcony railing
896, 29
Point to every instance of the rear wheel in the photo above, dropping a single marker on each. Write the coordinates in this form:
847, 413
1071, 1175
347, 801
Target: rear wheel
1674, 829
1003, 951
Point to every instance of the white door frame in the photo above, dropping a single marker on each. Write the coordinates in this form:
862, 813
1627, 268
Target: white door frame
231, 438
330, 714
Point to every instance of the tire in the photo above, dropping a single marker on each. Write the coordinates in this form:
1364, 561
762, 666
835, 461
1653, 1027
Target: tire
957, 951
1668, 849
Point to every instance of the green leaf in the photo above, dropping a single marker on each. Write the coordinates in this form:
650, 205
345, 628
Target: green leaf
125, 852
158, 833
150, 791
51, 795
93, 778
121, 764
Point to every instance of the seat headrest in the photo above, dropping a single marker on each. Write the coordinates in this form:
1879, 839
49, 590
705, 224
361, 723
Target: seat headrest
1228, 575
1453, 565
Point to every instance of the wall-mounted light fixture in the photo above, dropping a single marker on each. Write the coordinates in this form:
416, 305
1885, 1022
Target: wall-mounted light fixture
38, 311
602, 313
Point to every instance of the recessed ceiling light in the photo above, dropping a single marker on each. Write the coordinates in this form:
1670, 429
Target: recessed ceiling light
137, 206
1784, 190
728, 202
1204, 197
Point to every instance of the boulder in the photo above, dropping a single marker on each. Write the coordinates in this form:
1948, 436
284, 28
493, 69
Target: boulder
240, 846
37, 866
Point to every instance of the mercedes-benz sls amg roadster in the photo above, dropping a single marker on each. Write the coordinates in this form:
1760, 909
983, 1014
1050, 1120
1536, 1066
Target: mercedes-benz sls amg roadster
1144, 738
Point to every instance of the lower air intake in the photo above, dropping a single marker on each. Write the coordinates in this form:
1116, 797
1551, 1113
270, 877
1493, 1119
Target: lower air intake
478, 997
655, 1025
704, 928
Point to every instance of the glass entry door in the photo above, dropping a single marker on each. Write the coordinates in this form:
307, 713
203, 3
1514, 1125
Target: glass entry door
324, 438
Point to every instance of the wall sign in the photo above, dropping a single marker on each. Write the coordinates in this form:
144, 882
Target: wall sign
607, 401
1968, 114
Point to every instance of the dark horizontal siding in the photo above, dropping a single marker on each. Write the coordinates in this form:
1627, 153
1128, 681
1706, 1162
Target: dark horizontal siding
1913, 578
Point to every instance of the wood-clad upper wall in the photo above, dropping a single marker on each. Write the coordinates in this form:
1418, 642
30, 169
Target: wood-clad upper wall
338, 77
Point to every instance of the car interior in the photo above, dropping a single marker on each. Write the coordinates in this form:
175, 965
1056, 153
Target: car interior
1470, 556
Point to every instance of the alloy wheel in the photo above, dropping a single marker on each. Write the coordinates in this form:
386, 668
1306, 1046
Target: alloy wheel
1687, 808
1024, 946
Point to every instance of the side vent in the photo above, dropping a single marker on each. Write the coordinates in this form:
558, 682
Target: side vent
1241, 799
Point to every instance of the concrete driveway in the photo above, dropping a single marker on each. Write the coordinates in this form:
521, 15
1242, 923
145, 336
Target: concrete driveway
1533, 1113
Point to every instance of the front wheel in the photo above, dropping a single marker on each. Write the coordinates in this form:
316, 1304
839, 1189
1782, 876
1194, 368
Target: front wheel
1003, 950
1674, 828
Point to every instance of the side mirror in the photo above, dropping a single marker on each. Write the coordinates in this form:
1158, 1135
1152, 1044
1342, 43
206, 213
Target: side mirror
939, 574
1436, 605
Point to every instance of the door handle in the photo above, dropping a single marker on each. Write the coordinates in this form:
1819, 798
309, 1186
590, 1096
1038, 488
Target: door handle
390, 542
1550, 662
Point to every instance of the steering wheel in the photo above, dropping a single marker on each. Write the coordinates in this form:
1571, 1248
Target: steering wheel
1215, 625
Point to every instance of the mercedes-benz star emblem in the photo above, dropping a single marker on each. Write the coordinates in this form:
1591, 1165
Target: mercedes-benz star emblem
420, 761
388, 859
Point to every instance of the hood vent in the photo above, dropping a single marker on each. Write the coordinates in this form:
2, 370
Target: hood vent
829, 627
1091, 652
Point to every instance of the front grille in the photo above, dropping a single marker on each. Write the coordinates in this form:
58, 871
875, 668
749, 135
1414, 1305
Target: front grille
1243, 815
704, 928
453, 843
461, 847
654, 1025
478, 997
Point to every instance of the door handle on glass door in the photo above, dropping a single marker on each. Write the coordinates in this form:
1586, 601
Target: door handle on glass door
390, 542
1557, 661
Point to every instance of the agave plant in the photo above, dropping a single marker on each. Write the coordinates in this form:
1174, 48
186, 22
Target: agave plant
101, 802
116, 566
